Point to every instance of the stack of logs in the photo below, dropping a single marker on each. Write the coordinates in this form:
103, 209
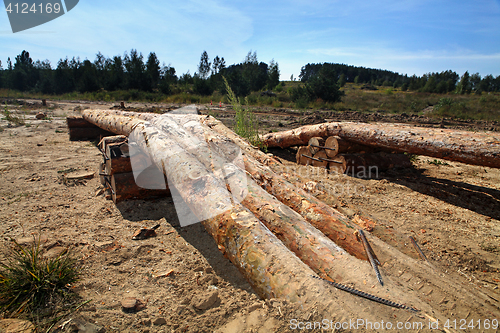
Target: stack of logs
279, 236
116, 172
116, 169
343, 156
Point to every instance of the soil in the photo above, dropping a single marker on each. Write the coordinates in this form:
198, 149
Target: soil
182, 281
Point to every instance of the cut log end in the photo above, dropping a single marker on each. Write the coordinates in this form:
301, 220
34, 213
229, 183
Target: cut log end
301, 159
339, 166
321, 155
331, 146
314, 144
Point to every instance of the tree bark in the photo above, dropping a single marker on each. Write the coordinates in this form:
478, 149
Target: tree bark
477, 148
269, 266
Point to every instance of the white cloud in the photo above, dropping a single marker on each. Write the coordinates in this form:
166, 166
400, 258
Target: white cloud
172, 29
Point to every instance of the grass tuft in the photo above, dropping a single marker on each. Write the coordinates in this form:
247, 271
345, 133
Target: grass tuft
29, 282
10, 117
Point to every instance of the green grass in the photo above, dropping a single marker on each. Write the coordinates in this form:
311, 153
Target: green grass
437, 162
11, 118
30, 283
246, 123
384, 99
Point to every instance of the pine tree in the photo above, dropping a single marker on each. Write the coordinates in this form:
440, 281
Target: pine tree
204, 66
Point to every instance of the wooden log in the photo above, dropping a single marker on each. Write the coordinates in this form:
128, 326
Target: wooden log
314, 144
291, 228
369, 165
332, 223
269, 266
300, 136
339, 166
478, 148
300, 156
118, 158
111, 139
319, 160
78, 122
331, 146
276, 273
125, 187
87, 133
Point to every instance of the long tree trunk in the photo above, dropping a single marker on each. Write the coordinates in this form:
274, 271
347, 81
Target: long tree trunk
332, 223
269, 266
309, 244
476, 148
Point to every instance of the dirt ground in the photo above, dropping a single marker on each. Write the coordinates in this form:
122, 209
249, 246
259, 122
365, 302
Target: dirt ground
451, 209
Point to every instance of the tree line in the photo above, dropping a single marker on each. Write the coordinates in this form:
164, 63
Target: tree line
133, 71
443, 82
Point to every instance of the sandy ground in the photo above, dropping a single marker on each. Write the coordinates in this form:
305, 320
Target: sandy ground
451, 209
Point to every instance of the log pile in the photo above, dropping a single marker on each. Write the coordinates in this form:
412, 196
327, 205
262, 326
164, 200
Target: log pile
278, 236
117, 176
477, 148
343, 156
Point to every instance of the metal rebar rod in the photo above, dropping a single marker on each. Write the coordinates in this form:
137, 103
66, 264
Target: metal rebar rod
415, 245
320, 159
370, 256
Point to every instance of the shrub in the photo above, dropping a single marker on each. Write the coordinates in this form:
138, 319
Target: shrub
246, 123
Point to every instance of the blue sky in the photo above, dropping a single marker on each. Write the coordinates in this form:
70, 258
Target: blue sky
405, 36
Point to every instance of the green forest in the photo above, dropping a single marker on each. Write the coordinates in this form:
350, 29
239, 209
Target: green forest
323, 86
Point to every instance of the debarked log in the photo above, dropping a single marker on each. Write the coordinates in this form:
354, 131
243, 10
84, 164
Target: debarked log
272, 269
300, 136
332, 223
478, 148
308, 243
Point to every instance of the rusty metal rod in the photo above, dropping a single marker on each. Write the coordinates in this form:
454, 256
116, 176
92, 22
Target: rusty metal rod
323, 147
370, 256
320, 159
415, 245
